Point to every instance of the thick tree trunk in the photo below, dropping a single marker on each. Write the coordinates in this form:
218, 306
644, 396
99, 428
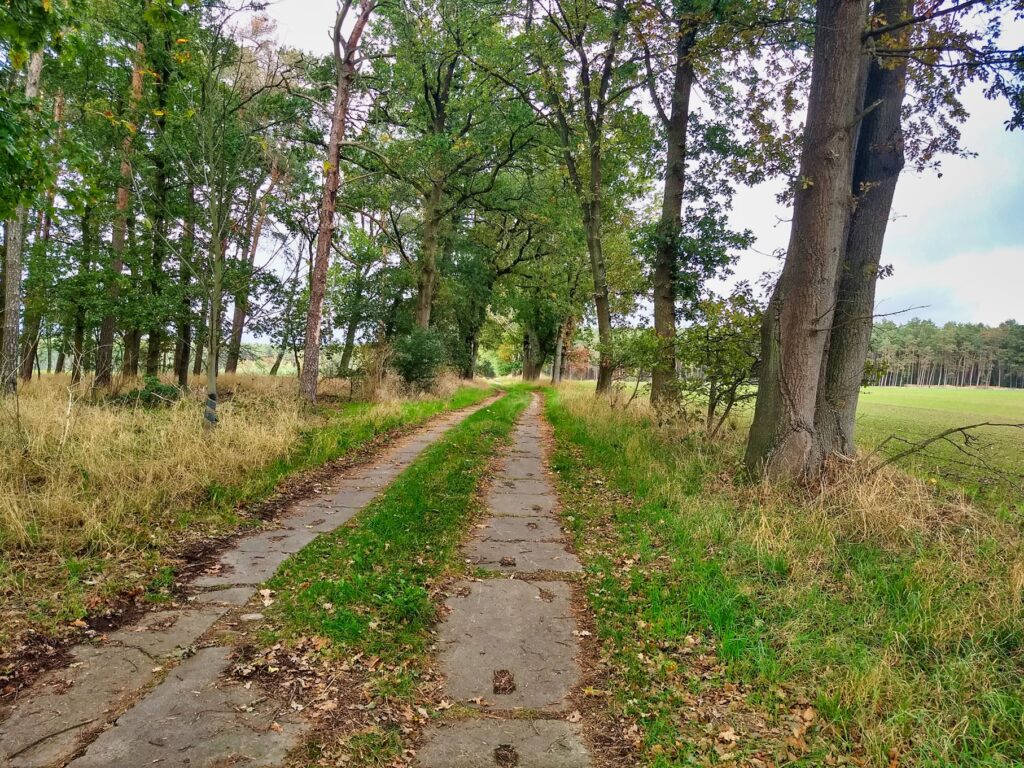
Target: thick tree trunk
344, 59
877, 166
799, 315
9, 345
666, 266
426, 282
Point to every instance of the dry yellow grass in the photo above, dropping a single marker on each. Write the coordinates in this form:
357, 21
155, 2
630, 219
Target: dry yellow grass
93, 495
77, 474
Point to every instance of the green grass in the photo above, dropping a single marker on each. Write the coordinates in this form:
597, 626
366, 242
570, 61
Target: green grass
900, 641
366, 588
916, 413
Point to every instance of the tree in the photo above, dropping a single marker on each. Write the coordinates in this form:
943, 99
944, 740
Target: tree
580, 87
796, 322
346, 66
15, 243
719, 354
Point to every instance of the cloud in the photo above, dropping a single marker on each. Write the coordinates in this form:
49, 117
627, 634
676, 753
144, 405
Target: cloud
973, 286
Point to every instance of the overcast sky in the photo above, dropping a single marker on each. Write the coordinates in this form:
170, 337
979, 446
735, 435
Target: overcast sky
956, 242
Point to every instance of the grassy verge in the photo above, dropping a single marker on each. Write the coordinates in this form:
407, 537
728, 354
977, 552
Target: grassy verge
94, 496
872, 625
363, 597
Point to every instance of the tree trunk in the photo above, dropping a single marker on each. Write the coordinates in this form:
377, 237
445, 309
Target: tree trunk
556, 366
118, 239
200, 345
426, 282
241, 308
666, 266
78, 338
799, 315
217, 256
602, 304
344, 61
9, 346
277, 363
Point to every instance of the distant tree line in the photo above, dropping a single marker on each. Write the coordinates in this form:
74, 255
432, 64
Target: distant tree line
922, 353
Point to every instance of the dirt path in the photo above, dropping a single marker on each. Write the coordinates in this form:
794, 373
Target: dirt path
509, 645
156, 692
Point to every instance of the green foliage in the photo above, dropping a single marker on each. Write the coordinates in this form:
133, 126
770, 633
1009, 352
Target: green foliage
419, 356
719, 353
777, 597
485, 368
153, 394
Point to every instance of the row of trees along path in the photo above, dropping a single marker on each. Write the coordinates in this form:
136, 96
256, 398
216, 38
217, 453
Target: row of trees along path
482, 172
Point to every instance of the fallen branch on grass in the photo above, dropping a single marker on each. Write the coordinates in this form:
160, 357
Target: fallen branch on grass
919, 446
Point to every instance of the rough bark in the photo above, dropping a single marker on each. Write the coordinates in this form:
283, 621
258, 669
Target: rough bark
426, 281
35, 303
78, 336
666, 267
344, 59
799, 315
9, 356
119, 235
217, 256
878, 163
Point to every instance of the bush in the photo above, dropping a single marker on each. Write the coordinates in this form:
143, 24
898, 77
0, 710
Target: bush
418, 357
152, 394
485, 368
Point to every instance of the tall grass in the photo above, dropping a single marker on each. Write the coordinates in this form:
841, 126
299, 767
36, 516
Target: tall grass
897, 610
94, 495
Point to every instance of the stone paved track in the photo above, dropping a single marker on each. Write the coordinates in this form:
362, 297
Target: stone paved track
508, 645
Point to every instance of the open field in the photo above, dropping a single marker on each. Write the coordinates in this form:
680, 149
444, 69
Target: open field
994, 473
879, 623
97, 499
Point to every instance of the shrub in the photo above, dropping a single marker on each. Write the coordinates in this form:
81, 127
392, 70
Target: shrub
153, 393
418, 357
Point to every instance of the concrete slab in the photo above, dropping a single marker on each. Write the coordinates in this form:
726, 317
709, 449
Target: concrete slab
231, 596
526, 467
194, 719
351, 496
522, 486
475, 744
502, 503
284, 540
237, 567
523, 556
520, 529
48, 724
162, 632
523, 627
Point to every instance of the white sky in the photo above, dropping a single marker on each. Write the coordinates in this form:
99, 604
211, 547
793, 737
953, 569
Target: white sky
956, 242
